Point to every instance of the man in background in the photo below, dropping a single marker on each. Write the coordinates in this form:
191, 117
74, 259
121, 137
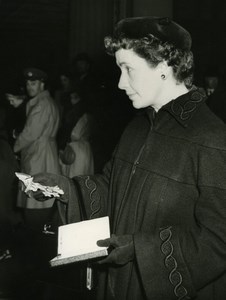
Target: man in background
36, 143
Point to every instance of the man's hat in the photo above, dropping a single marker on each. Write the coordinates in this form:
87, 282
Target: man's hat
161, 27
35, 74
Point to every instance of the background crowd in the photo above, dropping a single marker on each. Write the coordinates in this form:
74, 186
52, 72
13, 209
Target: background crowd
65, 125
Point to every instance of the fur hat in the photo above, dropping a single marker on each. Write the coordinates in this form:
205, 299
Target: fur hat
161, 27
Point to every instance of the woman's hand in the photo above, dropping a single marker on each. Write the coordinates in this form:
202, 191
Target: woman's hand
121, 249
48, 179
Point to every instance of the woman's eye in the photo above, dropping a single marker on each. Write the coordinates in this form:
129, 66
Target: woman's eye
128, 69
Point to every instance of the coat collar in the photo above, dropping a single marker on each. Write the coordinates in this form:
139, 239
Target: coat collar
184, 107
33, 101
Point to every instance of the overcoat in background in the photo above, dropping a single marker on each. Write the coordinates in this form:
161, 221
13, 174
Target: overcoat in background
166, 186
83, 163
37, 143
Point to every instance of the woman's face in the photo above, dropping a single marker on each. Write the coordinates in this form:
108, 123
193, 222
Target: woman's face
74, 98
65, 82
15, 101
141, 82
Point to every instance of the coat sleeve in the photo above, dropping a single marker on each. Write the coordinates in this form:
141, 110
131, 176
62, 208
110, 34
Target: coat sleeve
176, 262
36, 121
81, 129
89, 194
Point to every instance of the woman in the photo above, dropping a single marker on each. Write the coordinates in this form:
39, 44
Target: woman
75, 155
164, 189
62, 93
16, 112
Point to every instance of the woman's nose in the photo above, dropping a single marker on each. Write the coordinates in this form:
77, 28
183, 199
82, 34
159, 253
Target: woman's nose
122, 84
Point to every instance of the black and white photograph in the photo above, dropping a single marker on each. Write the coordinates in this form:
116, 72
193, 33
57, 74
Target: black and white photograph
112, 150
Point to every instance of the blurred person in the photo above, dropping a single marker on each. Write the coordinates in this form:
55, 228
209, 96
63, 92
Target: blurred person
9, 217
37, 142
86, 79
215, 85
66, 86
76, 157
164, 189
16, 111
82, 65
97, 99
15, 100
211, 80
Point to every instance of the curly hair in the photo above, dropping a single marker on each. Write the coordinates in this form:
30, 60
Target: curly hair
155, 51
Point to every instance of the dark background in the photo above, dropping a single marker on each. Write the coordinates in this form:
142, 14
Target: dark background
49, 33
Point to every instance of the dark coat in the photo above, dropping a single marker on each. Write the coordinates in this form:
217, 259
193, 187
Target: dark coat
71, 115
165, 185
8, 181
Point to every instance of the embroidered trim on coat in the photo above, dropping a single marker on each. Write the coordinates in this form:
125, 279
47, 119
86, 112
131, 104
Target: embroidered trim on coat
184, 112
93, 195
175, 276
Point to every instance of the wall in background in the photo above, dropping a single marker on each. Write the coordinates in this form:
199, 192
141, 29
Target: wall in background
32, 33
92, 20
206, 21
153, 8
48, 33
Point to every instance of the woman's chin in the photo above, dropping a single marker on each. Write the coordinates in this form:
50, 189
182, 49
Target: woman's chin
137, 105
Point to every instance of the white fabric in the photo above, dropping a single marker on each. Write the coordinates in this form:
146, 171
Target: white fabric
84, 163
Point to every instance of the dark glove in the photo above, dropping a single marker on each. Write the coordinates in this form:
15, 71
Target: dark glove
49, 179
121, 249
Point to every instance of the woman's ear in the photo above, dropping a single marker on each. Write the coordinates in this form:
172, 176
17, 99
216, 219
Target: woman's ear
164, 69
42, 86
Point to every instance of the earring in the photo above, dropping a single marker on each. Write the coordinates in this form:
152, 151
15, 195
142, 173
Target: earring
163, 76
